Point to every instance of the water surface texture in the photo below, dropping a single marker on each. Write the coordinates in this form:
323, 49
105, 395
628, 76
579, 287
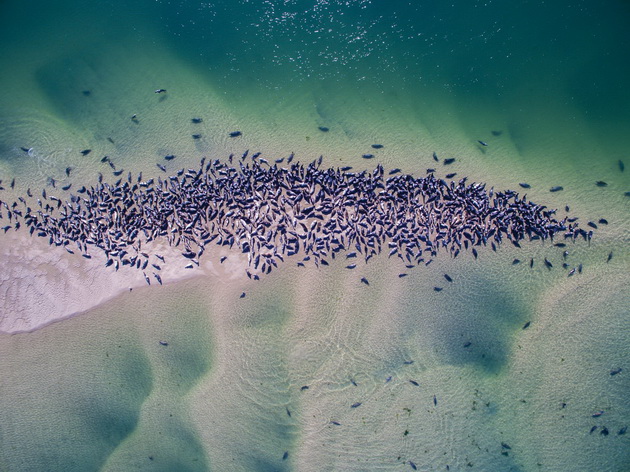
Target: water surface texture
511, 366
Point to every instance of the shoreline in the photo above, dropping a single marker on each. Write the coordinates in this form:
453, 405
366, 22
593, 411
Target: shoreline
44, 285
47, 285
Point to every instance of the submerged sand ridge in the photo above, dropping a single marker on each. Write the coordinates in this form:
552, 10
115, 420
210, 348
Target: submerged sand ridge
233, 370
263, 212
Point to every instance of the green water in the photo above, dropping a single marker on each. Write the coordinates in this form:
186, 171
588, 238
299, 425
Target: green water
544, 84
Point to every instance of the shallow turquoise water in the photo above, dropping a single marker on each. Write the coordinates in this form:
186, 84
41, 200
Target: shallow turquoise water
544, 85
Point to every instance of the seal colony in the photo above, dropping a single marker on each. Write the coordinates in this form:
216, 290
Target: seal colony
271, 212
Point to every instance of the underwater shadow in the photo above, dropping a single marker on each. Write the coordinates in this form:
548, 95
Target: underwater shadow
477, 328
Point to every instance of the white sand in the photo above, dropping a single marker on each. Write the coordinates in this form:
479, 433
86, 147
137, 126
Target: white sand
42, 284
